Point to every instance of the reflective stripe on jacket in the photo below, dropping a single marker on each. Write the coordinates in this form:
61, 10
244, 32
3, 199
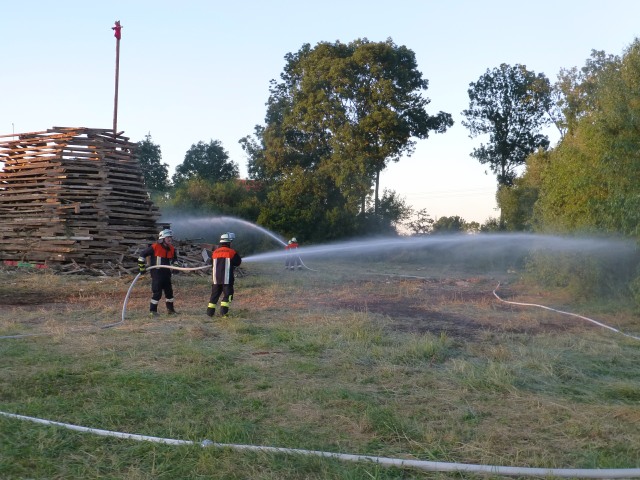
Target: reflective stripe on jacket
160, 254
224, 259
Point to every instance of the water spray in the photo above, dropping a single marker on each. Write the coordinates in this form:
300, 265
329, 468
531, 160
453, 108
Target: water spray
483, 244
182, 223
199, 222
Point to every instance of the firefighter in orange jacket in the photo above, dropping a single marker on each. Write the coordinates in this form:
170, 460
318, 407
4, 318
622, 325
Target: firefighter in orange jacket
160, 253
225, 260
293, 259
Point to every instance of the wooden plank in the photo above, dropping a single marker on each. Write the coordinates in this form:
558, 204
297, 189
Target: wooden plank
59, 239
19, 134
27, 187
27, 160
32, 147
33, 220
31, 162
21, 198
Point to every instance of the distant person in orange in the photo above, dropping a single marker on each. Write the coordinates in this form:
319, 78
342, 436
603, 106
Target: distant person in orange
293, 259
225, 260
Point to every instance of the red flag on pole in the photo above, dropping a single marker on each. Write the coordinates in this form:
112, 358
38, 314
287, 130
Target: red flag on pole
117, 30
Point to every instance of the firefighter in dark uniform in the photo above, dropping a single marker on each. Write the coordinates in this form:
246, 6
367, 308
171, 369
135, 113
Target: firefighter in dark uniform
160, 253
225, 260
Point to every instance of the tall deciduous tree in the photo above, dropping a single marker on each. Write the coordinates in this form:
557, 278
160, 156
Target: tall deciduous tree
576, 88
208, 161
347, 110
155, 173
510, 104
591, 179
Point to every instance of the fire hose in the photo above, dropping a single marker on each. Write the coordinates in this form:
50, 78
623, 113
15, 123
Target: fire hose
126, 298
595, 322
426, 465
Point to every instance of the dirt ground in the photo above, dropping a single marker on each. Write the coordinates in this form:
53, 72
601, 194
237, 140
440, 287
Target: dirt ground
461, 307
458, 307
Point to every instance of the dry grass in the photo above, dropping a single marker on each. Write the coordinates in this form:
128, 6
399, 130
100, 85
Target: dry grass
345, 359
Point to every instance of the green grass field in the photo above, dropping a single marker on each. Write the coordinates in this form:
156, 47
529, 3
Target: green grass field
424, 365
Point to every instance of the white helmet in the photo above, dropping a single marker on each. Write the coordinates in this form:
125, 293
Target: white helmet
165, 233
293, 240
227, 237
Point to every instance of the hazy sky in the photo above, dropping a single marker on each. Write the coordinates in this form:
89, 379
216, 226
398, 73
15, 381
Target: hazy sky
200, 70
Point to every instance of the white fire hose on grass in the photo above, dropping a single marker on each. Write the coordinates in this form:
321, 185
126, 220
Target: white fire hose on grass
595, 322
126, 298
426, 465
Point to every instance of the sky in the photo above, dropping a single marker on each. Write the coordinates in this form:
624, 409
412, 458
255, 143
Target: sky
199, 70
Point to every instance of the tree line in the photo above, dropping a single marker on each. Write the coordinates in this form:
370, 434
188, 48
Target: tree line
341, 113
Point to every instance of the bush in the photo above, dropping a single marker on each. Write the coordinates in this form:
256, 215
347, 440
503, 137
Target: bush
634, 289
584, 275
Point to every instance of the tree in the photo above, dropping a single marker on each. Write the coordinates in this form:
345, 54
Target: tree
516, 205
421, 223
490, 225
576, 96
472, 227
253, 146
589, 182
381, 108
591, 179
510, 104
392, 211
154, 172
307, 206
346, 110
575, 89
453, 224
208, 162
232, 197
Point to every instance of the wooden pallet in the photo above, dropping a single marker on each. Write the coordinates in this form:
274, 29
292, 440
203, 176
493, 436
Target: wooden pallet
73, 195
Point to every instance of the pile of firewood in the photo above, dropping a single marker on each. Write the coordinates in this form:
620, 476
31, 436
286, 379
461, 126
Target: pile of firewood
191, 254
72, 198
73, 201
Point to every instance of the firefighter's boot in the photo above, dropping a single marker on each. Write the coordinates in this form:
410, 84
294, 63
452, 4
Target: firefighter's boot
170, 309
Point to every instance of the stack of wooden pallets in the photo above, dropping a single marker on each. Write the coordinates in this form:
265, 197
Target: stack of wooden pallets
72, 195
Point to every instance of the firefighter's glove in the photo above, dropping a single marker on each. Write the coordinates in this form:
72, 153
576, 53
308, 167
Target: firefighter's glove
142, 267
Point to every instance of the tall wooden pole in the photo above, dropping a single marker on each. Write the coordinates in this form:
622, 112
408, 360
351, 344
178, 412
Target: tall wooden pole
117, 33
